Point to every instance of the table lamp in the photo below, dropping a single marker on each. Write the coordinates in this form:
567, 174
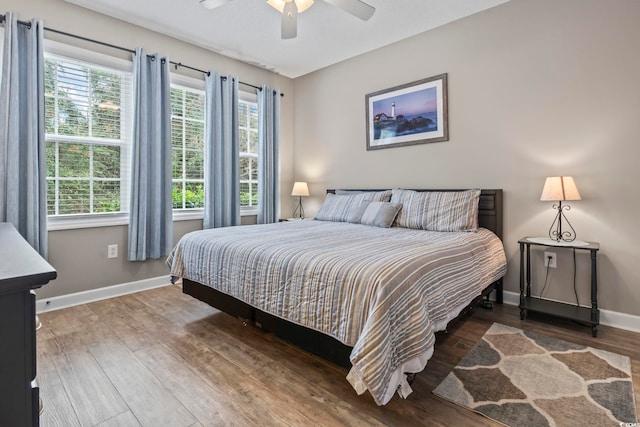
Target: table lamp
560, 188
300, 190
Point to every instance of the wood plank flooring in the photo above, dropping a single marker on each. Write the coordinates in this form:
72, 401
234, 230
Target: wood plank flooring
162, 358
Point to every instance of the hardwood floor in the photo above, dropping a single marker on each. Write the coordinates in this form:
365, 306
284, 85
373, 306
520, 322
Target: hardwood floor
162, 358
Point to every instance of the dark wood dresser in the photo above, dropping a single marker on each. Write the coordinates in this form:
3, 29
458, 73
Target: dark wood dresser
22, 269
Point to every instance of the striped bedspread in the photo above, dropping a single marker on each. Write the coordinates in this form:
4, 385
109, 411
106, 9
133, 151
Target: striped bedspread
383, 291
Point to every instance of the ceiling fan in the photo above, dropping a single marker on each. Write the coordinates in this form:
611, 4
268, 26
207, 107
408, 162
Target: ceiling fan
291, 8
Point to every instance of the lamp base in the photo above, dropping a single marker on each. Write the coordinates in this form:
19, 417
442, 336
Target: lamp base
298, 213
555, 231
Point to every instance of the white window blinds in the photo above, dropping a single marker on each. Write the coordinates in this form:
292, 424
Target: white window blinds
87, 133
187, 141
248, 118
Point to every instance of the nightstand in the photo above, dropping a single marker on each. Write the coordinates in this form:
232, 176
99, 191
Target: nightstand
586, 315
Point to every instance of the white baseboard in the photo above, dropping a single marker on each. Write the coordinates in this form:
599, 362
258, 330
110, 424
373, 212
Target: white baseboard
628, 322
78, 298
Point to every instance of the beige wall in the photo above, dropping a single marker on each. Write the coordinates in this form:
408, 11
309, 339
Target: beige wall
80, 256
536, 88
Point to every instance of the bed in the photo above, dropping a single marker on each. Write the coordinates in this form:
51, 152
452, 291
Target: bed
351, 284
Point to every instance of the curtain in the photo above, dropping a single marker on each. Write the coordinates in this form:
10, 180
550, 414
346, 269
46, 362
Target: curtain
268, 155
23, 187
150, 209
222, 151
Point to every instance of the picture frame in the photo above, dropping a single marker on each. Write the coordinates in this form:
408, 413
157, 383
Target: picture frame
409, 114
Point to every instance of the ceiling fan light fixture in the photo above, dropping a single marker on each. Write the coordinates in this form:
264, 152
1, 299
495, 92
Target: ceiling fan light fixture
279, 4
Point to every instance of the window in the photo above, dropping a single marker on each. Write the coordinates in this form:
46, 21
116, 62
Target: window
187, 142
88, 131
187, 137
248, 118
87, 137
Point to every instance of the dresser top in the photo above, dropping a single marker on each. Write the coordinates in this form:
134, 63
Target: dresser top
21, 267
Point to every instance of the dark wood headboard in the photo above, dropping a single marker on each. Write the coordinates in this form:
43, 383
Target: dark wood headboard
489, 207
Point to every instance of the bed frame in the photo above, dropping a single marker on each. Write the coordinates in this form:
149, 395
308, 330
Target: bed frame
489, 216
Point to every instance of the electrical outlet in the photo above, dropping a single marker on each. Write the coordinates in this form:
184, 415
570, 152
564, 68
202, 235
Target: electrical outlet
112, 251
550, 259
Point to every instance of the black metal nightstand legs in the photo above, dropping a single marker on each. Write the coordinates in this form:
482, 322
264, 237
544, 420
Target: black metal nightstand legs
595, 314
522, 306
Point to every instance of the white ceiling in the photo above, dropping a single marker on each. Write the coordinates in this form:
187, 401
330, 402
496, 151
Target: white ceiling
249, 30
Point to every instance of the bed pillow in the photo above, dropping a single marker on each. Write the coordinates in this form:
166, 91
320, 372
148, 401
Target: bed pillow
378, 214
438, 210
374, 196
339, 207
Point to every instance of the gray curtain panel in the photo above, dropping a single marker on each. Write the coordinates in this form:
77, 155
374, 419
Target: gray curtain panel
23, 186
150, 209
268, 155
222, 151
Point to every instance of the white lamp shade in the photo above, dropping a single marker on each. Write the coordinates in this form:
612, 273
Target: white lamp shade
300, 189
560, 188
301, 4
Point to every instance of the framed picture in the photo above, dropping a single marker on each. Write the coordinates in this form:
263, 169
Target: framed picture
413, 113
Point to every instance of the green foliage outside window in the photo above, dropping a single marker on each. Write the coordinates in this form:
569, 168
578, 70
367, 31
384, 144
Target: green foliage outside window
248, 199
187, 147
85, 148
193, 197
82, 103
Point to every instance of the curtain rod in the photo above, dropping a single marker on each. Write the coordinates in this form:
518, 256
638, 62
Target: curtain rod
124, 49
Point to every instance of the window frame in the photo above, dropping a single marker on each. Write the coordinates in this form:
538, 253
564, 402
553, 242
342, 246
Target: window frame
99, 60
189, 83
198, 213
253, 99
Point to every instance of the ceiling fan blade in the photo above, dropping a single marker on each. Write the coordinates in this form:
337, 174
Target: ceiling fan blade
290, 20
212, 4
357, 8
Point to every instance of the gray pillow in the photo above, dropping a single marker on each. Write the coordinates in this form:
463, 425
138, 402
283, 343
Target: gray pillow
438, 210
377, 214
339, 207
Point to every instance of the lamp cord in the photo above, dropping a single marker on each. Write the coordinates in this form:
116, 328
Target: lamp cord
546, 282
575, 290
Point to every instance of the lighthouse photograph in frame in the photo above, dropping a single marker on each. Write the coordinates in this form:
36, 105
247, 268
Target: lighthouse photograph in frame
413, 113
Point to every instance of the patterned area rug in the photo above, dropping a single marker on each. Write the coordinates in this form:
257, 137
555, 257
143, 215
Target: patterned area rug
524, 379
